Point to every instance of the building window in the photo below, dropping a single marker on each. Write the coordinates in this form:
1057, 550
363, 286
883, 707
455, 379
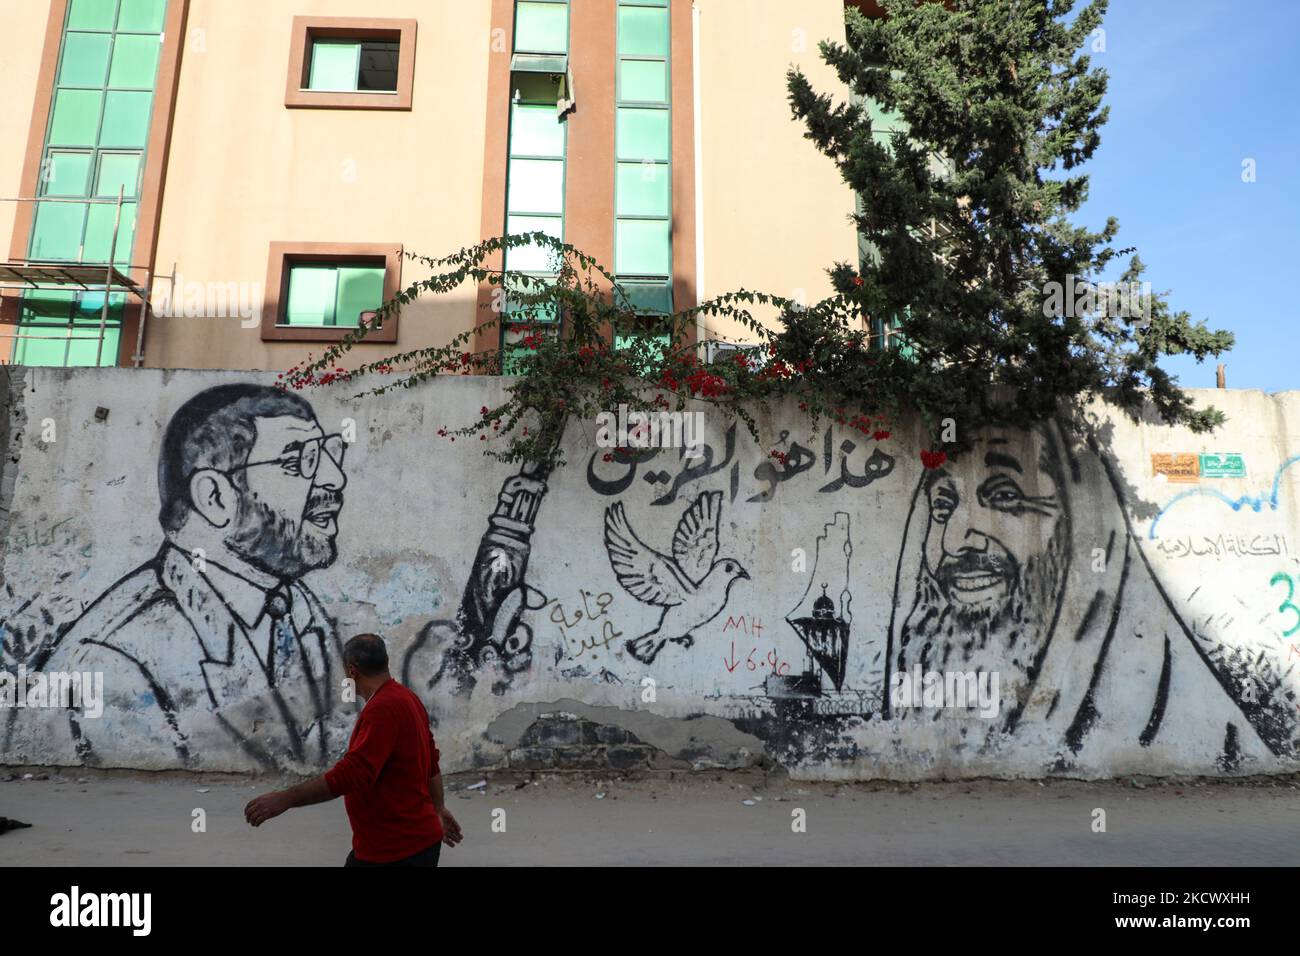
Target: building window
95, 145
61, 328
643, 161
354, 66
351, 63
885, 333
319, 292
333, 294
535, 175
542, 26
99, 126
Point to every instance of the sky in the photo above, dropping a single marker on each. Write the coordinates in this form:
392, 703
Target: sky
1197, 87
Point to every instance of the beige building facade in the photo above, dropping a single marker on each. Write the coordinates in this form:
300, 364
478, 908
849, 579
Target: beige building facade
262, 172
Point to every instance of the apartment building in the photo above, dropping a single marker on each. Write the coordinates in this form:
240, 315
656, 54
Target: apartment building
234, 183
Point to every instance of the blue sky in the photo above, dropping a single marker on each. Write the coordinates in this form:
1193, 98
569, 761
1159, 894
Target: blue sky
1196, 87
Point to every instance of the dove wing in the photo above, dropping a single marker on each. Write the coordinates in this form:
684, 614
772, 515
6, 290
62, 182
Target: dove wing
642, 571
695, 542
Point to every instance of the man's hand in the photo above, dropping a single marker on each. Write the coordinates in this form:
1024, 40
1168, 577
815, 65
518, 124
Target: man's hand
451, 834
266, 807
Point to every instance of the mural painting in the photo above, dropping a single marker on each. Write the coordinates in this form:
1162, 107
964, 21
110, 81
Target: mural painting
217, 640
1015, 572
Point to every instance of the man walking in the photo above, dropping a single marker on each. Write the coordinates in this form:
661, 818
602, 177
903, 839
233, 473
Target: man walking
389, 778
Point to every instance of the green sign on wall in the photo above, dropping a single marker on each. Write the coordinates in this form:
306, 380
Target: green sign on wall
1222, 466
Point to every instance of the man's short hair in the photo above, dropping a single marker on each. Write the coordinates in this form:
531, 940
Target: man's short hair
215, 429
367, 653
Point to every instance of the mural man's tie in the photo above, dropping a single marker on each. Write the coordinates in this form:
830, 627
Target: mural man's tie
281, 649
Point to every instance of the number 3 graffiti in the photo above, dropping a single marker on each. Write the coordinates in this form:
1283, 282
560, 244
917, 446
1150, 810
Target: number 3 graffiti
1286, 605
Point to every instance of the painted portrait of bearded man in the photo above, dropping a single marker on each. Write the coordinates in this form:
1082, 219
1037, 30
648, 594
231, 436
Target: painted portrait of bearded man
1019, 559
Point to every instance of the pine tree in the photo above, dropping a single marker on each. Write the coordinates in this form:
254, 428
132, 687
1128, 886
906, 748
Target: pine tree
967, 216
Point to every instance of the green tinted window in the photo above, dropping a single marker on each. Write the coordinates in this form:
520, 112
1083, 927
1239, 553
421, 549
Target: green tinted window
658, 343
642, 189
85, 59
516, 352
647, 297
89, 306
49, 306
361, 289
57, 234
32, 352
312, 293
135, 62
883, 120
519, 311
513, 359
536, 185
83, 351
642, 31
99, 233
142, 16
66, 174
91, 14
541, 27
334, 65
643, 80
118, 171
333, 295
643, 247
53, 314
642, 134
532, 258
536, 131
126, 119
76, 118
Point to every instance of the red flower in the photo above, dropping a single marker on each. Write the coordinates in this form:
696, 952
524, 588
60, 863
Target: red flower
880, 435
933, 459
608, 456
857, 281
701, 382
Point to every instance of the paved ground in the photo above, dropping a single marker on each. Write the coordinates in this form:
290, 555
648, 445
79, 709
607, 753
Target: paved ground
702, 819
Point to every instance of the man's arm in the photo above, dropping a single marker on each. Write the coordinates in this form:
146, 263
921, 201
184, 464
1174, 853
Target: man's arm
358, 770
269, 805
451, 834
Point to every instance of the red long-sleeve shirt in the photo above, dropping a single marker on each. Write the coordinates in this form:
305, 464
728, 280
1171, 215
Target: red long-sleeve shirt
384, 778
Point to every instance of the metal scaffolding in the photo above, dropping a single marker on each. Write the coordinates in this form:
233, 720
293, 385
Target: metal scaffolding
43, 275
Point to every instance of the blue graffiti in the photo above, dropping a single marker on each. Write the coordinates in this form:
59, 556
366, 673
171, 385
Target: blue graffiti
1236, 504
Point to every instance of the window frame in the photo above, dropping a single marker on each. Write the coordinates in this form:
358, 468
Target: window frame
508, 328
664, 165
284, 255
307, 30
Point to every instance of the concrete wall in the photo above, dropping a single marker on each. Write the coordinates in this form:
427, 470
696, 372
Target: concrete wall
646, 610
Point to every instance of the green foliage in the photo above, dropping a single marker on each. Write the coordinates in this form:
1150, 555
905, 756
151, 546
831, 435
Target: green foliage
972, 257
967, 213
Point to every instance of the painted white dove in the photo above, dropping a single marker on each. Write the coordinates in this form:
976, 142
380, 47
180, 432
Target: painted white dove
691, 586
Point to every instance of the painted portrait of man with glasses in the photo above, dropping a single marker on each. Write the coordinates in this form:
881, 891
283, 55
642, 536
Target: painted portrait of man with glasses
218, 636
